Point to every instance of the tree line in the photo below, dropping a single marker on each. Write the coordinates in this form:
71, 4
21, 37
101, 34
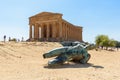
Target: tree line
105, 42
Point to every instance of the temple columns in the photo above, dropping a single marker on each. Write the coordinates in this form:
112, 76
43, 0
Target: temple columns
55, 31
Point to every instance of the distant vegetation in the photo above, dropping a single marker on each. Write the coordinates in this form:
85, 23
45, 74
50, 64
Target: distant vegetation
14, 39
104, 42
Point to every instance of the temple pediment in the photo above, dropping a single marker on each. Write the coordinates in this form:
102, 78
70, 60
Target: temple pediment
46, 16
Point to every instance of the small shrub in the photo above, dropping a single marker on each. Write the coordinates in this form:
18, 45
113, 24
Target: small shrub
14, 39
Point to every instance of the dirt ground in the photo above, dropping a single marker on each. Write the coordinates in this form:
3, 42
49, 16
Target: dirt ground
24, 61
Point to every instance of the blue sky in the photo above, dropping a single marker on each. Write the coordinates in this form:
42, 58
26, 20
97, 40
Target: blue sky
96, 16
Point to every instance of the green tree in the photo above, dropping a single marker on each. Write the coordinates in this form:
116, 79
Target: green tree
117, 44
112, 43
102, 40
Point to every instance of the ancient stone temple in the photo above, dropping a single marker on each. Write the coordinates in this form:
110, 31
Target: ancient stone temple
47, 26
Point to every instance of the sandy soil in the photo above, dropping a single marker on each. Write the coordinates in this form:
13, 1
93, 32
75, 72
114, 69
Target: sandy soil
24, 61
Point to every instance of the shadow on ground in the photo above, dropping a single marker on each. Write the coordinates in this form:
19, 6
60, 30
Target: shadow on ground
75, 65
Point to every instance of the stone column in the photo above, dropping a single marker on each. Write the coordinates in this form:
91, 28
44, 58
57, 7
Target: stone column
73, 33
60, 29
78, 33
81, 33
48, 31
69, 32
63, 28
65, 31
42, 31
30, 32
39, 27
54, 30
36, 32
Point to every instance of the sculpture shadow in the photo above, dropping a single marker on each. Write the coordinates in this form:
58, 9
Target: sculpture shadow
75, 65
